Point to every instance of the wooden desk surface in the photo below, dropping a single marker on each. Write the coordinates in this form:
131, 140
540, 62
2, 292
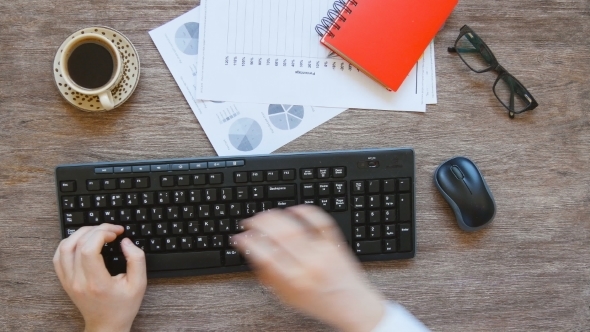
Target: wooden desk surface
529, 271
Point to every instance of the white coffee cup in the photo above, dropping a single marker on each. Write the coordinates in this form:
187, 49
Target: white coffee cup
86, 68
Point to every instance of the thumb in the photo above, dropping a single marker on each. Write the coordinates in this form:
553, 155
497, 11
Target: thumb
136, 271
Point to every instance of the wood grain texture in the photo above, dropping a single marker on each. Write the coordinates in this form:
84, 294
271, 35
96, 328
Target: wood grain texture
529, 271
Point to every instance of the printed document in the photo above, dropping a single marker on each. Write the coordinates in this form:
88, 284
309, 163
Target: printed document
267, 51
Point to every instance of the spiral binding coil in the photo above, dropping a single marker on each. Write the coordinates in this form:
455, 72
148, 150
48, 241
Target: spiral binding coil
334, 16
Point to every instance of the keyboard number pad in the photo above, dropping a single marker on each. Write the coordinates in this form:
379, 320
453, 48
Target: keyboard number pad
381, 216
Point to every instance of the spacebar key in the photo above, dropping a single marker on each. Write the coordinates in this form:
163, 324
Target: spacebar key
183, 261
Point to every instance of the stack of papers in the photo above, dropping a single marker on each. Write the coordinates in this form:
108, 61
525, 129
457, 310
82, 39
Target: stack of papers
250, 72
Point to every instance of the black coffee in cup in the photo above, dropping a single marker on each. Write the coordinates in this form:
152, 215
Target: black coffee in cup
91, 65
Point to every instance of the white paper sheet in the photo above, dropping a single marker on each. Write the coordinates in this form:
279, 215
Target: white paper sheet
232, 128
268, 51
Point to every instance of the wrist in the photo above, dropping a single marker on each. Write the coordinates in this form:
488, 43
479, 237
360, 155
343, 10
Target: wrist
366, 316
106, 328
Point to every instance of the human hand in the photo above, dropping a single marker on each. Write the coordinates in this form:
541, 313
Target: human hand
107, 303
301, 254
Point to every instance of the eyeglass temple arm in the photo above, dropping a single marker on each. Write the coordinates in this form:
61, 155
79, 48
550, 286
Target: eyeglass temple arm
462, 50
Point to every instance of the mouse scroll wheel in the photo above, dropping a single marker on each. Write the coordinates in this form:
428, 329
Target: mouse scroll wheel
457, 172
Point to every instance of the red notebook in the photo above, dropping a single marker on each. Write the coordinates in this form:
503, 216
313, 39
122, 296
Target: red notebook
384, 38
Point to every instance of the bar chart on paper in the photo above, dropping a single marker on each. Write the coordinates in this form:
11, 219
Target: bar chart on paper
276, 28
266, 49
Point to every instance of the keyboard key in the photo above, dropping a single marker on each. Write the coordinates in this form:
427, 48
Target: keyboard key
389, 245
359, 217
339, 172
358, 202
358, 187
284, 204
186, 243
202, 242
324, 203
240, 177
162, 228
368, 247
155, 245
256, 177
374, 201
232, 257
142, 183
116, 264
84, 202
141, 169
100, 201
179, 167
116, 200
405, 238
182, 261
374, 186
198, 166
140, 243
122, 169
93, 185
389, 216
94, 217
147, 198
216, 164
146, 230
199, 179
67, 186
324, 189
193, 227
188, 212
210, 195
74, 218
258, 192
272, 176
183, 180
288, 175
281, 191
405, 208
125, 183
167, 181
339, 188
130, 230
171, 244
307, 174
323, 173
375, 231
217, 241
389, 201
404, 185
235, 209
308, 189
131, 199
388, 186
340, 204
109, 184
194, 196
234, 163
216, 178
163, 197
227, 194
157, 213
374, 217
160, 168
359, 232
71, 230
103, 170
389, 230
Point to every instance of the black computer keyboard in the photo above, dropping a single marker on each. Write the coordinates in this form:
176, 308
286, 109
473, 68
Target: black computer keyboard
183, 212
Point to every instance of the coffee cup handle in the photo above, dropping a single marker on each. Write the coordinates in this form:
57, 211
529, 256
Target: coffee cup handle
107, 100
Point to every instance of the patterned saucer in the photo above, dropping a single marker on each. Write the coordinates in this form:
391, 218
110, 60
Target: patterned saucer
121, 92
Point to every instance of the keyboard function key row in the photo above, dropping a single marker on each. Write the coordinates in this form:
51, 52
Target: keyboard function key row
168, 167
323, 173
113, 184
261, 176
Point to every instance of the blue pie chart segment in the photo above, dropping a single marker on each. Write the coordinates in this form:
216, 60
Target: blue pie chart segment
187, 38
286, 117
245, 134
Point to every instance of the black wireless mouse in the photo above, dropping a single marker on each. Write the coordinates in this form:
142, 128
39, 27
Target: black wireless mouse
461, 184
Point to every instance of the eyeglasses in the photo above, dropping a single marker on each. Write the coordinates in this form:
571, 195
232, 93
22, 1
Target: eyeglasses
479, 58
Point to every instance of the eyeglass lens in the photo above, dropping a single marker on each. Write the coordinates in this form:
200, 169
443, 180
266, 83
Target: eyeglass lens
511, 93
473, 52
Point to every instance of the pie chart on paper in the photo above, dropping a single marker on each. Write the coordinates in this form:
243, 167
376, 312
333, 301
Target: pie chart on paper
187, 38
245, 134
286, 117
